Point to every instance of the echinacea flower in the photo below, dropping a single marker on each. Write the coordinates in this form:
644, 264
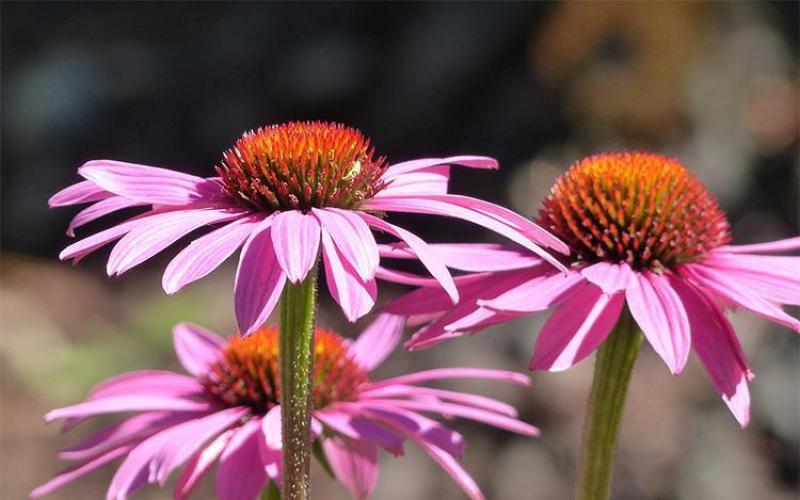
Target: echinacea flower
227, 412
282, 192
644, 233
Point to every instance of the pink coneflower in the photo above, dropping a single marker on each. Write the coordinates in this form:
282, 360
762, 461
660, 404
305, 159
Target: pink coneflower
645, 234
227, 412
283, 192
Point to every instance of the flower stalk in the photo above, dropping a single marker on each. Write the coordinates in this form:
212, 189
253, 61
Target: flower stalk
612, 373
297, 307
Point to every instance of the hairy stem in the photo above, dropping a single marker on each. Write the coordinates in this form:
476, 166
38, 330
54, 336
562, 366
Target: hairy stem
296, 367
612, 372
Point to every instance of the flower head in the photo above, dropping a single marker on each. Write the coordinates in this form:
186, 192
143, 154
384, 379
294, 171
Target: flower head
284, 194
645, 235
227, 413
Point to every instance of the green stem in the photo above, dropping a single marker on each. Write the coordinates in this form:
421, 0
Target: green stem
612, 372
296, 368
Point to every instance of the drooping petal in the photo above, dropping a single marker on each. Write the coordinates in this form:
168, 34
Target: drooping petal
74, 473
429, 180
155, 185
575, 330
120, 404
660, 314
462, 208
100, 209
610, 277
259, 280
198, 467
448, 373
722, 285
784, 245
716, 345
295, 236
352, 238
377, 341
78, 193
148, 383
537, 294
271, 428
162, 230
203, 255
413, 391
359, 428
355, 464
85, 246
471, 161
355, 296
241, 475
197, 348
775, 278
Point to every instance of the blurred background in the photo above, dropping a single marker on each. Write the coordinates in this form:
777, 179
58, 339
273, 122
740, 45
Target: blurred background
536, 85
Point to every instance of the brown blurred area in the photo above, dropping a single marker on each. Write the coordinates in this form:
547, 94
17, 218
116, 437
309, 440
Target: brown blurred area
536, 85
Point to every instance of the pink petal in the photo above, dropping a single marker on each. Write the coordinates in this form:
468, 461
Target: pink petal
377, 341
197, 348
355, 464
359, 428
768, 247
399, 169
72, 474
575, 330
718, 349
100, 209
198, 467
448, 373
83, 247
430, 298
161, 231
457, 410
295, 236
271, 428
189, 437
259, 280
117, 404
158, 186
537, 294
723, 285
355, 296
429, 180
205, 254
121, 433
148, 383
241, 475
353, 239
428, 258
78, 193
660, 314
610, 277
475, 211
776, 278
413, 391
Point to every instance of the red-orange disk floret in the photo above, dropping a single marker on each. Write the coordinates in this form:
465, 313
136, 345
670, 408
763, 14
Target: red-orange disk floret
301, 165
247, 372
640, 208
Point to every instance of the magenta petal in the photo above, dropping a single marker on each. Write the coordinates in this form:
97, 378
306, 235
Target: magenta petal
81, 192
575, 330
610, 277
359, 428
355, 464
206, 253
660, 314
775, 278
355, 296
377, 341
148, 383
199, 466
718, 348
784, 245
161, 231
413, 391
74, 473
87, 245
353, 239
155, 185
537, 294
449, 373
429, 259
197, 348
259, 280
271, 428
117, 404
295, 236
241, 475
100, 209
429, 180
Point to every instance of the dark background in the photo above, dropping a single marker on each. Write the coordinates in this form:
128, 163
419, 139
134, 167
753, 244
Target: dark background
536, 85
